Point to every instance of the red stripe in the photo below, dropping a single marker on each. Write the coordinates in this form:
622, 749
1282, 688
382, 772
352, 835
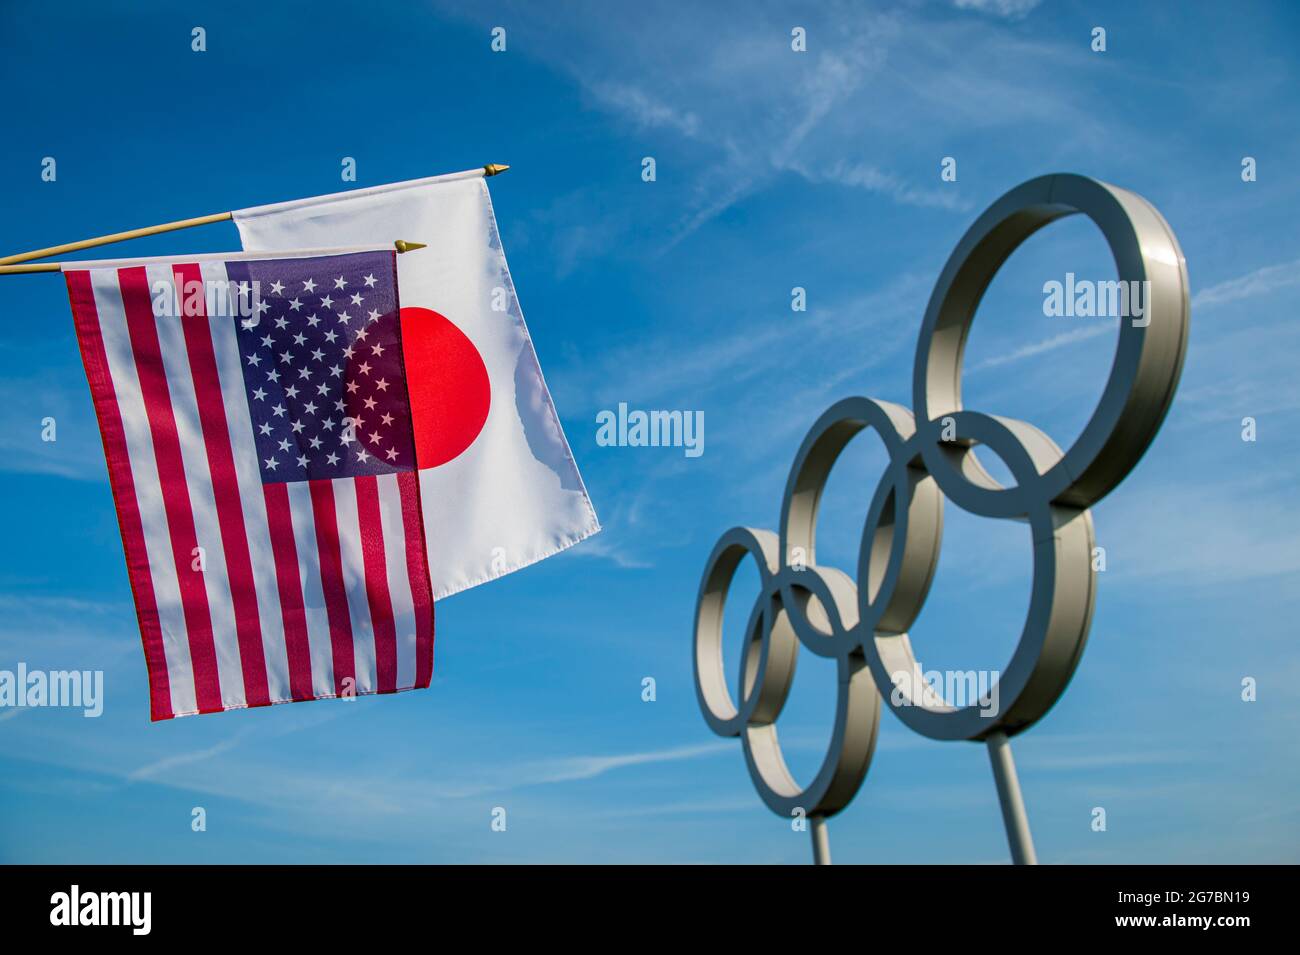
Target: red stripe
331, 578
86, 317
377, 595
171, 475
417, 569
280, 522
225, 488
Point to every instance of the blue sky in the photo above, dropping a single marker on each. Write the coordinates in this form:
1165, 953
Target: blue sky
774, 170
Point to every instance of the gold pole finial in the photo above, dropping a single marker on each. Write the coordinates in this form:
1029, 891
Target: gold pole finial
403, 246
494, 169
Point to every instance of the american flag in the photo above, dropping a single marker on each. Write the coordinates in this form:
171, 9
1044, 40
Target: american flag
257, 429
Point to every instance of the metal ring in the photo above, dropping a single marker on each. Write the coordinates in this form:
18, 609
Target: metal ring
1148, 358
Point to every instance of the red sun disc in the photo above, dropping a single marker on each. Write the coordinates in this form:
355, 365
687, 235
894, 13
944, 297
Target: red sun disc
448, 384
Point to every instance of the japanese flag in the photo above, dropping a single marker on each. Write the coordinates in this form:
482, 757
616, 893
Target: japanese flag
499, 486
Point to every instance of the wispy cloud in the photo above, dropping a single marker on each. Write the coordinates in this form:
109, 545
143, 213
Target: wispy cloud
1064, 339
668, 368
610, 546
1235, 536
31, 404
735, 108
1010, 9
869, 177
574, 768
645, 110
163, 766
1262, 281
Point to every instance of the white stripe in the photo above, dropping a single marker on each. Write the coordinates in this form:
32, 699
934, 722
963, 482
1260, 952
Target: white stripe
148, 489
354, 581
251, 497
198, 484
313, 596
399, 578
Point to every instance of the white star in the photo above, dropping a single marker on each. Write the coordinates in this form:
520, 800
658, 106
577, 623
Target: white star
277, 288
344, 318
309, 407
304, 373
297, 426
328, 424
340, 282
322, 389
284, 444
364, 368
295, 305
332, 458
264, 428
312, 320
272, 375
281, 322
339, 405
377, 348
259, 394
278, 411
392, 454
263, 307
330, 336
387, 419
309, 286
370, 281
335, 370
291, 391
326, 302
381, 384
254, 360
352, 387
370, 404
267, 341
315, 443
374, 314
356, 298
317, 354
271, 463
299, 339
285, 357
362, 333
374, 437
302, 460
347, 352
362, 456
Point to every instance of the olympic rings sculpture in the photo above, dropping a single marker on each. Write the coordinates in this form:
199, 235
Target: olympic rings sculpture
862, 623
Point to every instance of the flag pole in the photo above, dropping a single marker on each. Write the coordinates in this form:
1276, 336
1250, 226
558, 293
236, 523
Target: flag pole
401, 245
10, 264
